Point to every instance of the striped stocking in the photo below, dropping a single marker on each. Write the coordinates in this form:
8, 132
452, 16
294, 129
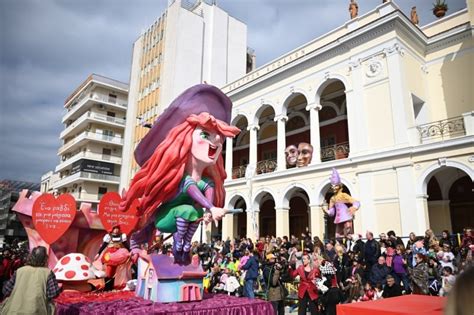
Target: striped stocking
189, 235
179, 235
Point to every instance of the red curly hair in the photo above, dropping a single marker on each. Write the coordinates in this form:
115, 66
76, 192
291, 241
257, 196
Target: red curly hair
158, 180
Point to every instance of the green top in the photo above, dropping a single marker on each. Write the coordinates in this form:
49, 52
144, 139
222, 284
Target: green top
182, 205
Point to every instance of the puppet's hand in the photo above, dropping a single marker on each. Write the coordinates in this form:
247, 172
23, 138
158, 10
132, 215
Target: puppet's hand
217, 214
352, 210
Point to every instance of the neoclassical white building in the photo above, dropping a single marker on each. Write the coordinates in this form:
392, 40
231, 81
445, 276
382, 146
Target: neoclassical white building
387, 103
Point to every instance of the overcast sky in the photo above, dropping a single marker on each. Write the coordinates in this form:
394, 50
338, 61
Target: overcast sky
48, 47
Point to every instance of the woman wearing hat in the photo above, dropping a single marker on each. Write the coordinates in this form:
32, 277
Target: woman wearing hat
182, 175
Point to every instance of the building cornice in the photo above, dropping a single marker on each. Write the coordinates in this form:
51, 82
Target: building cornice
394, 21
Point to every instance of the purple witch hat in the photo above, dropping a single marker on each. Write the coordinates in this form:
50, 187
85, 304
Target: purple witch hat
335, 178
195, 100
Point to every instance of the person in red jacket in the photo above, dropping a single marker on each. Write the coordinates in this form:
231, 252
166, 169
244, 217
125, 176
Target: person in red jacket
307, 290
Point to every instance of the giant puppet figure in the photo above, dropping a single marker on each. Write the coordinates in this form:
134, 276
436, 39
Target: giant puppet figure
182, 171
338, 207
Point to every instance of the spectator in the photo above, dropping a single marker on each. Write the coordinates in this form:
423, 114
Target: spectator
378, 292
460, 301
330, 251
446, 239
354, 289
400, 268
430, 239
419, 275
448, 280
371, 250
379, 272
251, 275
369, 292
307, 291
341, 263
394, 239
332, 297
392, 289
31, 287
418, 248
275, 291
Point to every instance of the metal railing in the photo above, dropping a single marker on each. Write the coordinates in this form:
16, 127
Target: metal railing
266, 166
93, 135
335, 152
238, 171
451, 127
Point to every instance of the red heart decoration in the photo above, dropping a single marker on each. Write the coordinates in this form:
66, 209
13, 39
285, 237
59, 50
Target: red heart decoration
53, 216
110, 215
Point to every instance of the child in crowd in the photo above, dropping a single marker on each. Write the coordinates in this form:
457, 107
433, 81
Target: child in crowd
447, 281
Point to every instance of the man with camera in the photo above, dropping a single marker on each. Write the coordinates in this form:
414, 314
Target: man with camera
276, 292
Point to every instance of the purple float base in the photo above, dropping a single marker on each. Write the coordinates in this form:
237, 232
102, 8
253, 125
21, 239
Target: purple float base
219, 304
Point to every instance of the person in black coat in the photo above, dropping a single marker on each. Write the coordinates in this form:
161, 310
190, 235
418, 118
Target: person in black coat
371, 251
379, 272
392, 289
332, 297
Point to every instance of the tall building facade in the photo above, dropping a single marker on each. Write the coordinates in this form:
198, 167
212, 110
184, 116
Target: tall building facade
387, 103
188, 44
10, 227
93, 138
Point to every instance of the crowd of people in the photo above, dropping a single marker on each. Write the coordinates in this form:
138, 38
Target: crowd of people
302, 272
12, 256
320, 275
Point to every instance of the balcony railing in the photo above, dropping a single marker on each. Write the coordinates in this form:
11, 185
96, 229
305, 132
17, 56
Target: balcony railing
85, 176
238, 171
90, 135
266, 166
93, 116
335, 152
71, 110
446, 128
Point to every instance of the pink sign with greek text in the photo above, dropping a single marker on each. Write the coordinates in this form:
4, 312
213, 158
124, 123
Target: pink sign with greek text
111, 216
53, 216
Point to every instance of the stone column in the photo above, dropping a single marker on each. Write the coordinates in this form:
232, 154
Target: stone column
422, 214
252, 231
314, 131
281, 141
282, 222
253, 144
228, 227
468, 119
228, 157
316, 216
399, 97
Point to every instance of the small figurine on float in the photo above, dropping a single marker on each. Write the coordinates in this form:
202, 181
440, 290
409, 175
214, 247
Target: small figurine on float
338, 207
113, 253
182, 175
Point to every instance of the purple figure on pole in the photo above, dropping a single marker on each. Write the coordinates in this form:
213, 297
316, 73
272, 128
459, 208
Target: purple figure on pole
338, 207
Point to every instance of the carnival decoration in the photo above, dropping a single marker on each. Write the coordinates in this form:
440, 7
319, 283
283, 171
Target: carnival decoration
291, 154
111, 216
182, 174
338, 207
305, 154
76, 273
53, 216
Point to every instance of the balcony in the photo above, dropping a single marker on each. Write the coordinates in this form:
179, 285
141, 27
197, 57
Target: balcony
239, 171
442, 129
335, 152
266, 166
87, 135
86, 102
116, 159
86, 176
92, 117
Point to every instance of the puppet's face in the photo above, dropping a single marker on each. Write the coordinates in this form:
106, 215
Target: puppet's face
207, 146
305, 154
336, 188
291, 153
